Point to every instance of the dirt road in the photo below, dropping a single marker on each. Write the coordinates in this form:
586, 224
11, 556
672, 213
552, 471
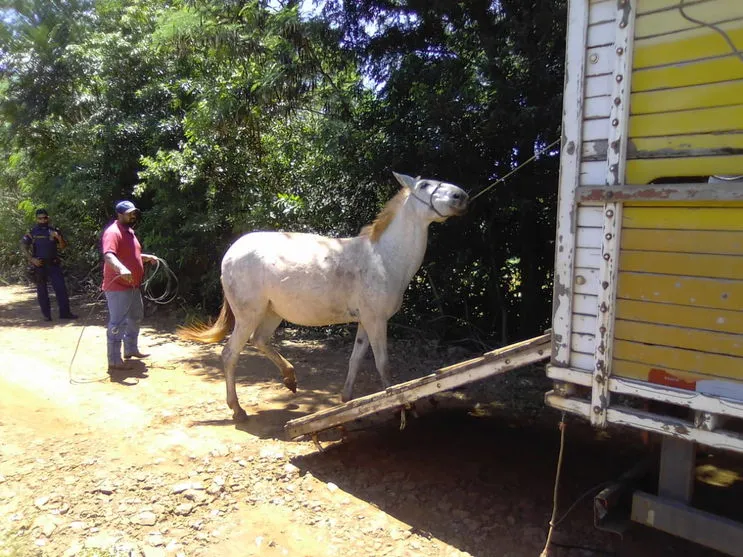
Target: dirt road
153, 465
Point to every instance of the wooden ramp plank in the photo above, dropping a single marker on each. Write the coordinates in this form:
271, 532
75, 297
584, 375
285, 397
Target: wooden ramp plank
489, 364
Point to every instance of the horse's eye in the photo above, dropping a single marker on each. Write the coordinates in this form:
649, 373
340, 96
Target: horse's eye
424, 185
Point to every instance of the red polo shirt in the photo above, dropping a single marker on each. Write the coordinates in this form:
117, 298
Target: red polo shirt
121, 241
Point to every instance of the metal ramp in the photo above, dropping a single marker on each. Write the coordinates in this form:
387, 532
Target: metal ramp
491, 363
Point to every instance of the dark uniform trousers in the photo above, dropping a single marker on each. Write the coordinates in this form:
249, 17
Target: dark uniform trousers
51, 271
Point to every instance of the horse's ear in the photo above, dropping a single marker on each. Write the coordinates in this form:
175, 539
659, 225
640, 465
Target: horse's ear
405, 180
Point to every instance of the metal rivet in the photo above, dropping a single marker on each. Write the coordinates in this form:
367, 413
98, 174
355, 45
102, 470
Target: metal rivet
594, 58
596, 410
615, 122
580, 280
613, 167
607, 257
603, 307
622, 24
604, 285
619, 78
600, 379
602, 330
617, 101
608, 236
620, 50
609, 213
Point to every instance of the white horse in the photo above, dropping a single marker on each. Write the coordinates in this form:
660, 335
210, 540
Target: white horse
315, 280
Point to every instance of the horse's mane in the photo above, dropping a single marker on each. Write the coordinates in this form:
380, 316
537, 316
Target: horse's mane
385, 216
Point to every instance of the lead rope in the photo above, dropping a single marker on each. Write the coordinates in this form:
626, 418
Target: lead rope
562, 426
519, 167
714, 27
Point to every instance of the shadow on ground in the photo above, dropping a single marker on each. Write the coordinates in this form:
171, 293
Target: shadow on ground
485, 485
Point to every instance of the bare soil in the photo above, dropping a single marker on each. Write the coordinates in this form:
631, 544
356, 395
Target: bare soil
152, 464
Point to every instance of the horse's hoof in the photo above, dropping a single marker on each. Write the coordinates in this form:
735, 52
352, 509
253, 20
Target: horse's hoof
240, 415
291, 384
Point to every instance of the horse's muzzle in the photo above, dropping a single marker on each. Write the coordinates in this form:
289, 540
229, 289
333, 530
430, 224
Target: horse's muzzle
462, 205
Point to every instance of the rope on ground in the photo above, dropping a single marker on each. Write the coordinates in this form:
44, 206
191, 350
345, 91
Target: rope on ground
168, 295
545, 551
554, 521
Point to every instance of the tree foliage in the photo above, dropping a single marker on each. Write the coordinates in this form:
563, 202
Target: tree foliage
218, 118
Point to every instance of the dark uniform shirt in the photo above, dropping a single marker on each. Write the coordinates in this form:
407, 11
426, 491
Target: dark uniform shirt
43, 246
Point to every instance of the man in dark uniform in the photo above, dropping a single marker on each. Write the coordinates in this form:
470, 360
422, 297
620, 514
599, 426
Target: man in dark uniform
41, 245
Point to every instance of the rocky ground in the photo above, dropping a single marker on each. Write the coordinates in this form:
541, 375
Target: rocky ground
152, 465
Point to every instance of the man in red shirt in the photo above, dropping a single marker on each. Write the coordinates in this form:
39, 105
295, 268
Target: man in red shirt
123, 270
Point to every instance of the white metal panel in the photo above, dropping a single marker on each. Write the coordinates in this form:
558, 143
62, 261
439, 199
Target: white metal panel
654, 423
680, 429
680, 397
589, 258
584, 323
600, 60
591, 216
593, 173
601, 34
621, 59
602, 12
598, 85
582, 361
585, 304
572, 405
598, 128
570, 375
570, 153
583, 343
597, 107
588, 237
608, 274
586, 281
596, 150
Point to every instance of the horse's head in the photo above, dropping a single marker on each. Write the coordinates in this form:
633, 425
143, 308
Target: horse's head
443, 200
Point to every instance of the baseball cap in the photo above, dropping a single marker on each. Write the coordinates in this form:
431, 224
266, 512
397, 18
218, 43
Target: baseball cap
41, 211
123, 207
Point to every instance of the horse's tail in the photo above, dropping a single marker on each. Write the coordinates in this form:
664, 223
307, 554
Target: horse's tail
211, 333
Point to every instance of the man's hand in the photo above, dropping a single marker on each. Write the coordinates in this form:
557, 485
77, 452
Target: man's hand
147, 258
126, 276
36, 262
56, 236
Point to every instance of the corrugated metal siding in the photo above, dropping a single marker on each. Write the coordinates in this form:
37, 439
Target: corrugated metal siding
586, 287
598, 86
679, 309
686, 106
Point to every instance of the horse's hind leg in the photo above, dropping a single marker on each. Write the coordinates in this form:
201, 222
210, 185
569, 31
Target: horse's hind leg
230, 355
261, 340
360, 346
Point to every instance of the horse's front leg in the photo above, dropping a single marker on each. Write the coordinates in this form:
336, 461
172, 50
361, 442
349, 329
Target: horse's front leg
360, 346
377, 332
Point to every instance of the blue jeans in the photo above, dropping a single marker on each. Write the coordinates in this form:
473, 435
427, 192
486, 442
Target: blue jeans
125, 312
51, 272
